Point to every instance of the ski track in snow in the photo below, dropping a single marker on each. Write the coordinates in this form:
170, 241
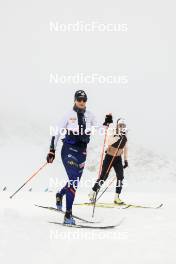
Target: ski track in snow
145, 236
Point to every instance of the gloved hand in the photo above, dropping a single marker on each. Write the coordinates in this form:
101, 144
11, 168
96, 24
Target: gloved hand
123, 131
51, 156
108, 120
125, 164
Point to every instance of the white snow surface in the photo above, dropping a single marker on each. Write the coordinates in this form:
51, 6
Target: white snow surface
145, 236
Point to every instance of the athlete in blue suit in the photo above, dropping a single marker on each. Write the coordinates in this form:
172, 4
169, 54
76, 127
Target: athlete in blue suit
77, 125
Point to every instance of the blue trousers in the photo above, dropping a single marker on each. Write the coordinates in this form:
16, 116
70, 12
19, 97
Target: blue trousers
73, 159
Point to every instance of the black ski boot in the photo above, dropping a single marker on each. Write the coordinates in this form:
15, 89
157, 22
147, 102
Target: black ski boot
59, 201
68, 219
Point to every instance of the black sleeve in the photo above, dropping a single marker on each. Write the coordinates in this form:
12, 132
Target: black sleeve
52, 144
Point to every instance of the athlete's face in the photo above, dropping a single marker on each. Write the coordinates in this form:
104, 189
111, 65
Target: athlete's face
121, 127
80, 103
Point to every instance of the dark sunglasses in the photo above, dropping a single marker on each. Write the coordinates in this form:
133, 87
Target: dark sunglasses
82, 99
122, 125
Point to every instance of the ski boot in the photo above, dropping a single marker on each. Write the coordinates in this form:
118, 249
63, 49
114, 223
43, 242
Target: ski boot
68, 219
59, 201
117, 200
92, 196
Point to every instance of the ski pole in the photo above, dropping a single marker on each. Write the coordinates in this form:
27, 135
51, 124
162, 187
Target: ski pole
33, 175
109, 170
100, 167
106, 188
114, 156
102, 153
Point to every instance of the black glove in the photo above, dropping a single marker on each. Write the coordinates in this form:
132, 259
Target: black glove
125, 164
123, 132
108, 120
51, 156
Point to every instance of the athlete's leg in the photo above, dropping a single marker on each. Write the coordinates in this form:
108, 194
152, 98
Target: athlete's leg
118, 167
73, 160
104, 173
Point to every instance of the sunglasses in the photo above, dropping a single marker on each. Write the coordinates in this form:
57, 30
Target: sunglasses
122, 125
81, 99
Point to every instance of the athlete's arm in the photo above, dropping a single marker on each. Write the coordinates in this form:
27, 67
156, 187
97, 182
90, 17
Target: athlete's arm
58, 130
96, 124
126, 152
125, 156
55, 137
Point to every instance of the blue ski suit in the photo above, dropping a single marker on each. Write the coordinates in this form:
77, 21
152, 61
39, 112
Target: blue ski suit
77, 125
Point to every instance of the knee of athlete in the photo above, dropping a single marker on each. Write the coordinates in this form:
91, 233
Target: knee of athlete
101, 182
74, 183
71, 190
119, 183
120, 177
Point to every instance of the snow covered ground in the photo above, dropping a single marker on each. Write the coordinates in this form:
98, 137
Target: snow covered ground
145, 236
